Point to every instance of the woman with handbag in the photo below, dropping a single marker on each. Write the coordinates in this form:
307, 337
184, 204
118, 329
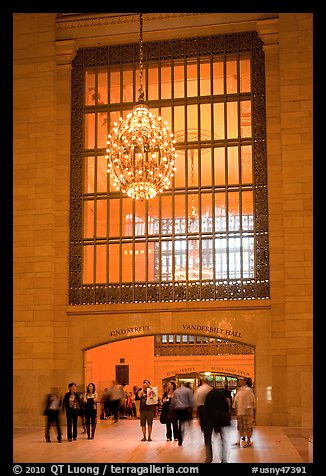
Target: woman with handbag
167, 416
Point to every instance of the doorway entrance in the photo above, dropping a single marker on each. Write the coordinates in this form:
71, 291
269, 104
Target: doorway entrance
160, 358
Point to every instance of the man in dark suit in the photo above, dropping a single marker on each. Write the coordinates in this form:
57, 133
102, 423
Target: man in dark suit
216, 416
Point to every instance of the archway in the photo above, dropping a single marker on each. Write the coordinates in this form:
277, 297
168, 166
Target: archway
162, 357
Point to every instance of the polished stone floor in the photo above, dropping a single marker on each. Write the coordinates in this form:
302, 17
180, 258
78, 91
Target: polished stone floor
121, 443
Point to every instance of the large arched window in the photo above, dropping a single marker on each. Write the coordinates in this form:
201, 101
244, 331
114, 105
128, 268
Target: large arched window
205, 238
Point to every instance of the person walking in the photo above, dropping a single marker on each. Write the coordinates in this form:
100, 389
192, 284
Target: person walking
182, 403
115, 396
244, 402
53, 402
146, 411
167, 417
199, 397
71, 405
90, 400
216, 416
228, 396
135, 390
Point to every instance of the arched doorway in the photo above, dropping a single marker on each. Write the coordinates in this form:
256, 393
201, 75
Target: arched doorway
162, 357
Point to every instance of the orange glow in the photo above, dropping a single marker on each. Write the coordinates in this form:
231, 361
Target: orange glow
100, 363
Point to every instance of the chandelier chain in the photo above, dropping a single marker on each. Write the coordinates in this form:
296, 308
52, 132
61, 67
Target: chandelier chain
141, 91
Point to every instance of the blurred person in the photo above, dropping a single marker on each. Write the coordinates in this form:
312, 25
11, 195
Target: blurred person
244, 402
228, 396
216, 416
146, 411
135, 390
104, 412
167, 416
82, 408
182, 403
52, 407
115, 397
71, 405
199, 397
129, 404
90, 399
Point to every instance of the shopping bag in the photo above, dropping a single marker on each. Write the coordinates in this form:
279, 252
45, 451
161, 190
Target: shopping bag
152, 396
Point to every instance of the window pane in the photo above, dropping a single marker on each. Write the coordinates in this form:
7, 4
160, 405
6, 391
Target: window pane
179, 81
246, 164
245, 75
102, 129
248, 257
206, 213
127, 217
89, 173
179, 178
220, 214
114, 217
88, 264
192, 122
247, 211
152, 82
179, 123
102, 175
140, 262
113, 264
205, 83
166, 214
207, 259
192, 88
219, 121
140, 218
218, 77
179, 210
231, 76
100, 264
233, 208
193, 217
220, 258
192, 168
245, 118
166, 260
193, 259
127, 262
114, 85
166, 82
206, 167
101, 218
127, 84
153, 216
219, 166
233, 165
205, 122
180, 247
102, 85
151, 261
89, 131
234, 258
89, 87
232, 119
89, 219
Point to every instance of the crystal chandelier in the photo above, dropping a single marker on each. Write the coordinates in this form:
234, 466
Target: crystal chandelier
141, 153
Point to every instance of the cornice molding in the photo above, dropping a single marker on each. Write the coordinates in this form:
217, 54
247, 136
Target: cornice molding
89, 20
